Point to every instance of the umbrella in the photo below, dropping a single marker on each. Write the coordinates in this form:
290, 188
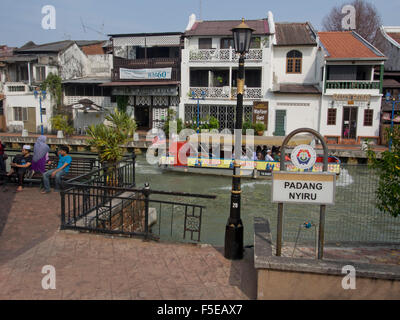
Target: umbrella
86, 105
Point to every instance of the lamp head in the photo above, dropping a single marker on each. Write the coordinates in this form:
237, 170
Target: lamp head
388, 96
242, 37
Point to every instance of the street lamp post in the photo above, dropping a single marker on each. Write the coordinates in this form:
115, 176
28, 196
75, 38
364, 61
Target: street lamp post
234, 227
394, 101
42, 95
198, 98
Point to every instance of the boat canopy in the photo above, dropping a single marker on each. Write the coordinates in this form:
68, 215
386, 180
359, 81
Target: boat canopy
227, 140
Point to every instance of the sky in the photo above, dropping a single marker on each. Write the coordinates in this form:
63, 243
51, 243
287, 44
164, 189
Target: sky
21, 20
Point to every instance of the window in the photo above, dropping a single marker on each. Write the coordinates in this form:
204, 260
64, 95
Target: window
331, 116
40, 73
368, 117
205, 43
20, 114
1, 108
199, 78
293, 61
227, 43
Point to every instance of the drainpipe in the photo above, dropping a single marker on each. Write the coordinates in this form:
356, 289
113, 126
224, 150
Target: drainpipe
29, 73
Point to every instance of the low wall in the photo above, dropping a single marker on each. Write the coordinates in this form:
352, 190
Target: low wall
297, 278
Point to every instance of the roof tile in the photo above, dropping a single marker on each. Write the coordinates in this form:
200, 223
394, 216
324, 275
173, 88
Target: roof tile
345, 44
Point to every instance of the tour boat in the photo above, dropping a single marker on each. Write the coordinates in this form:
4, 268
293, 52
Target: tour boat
257, 169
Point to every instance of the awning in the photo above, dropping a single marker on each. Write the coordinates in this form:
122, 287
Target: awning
138, 83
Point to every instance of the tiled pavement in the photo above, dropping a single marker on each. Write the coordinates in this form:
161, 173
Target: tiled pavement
98, 267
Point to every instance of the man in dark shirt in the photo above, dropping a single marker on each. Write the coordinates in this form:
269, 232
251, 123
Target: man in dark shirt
20, 164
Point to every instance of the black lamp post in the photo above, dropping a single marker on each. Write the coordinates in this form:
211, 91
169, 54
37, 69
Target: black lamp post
234, 227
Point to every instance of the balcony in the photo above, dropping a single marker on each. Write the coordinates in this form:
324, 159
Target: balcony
225, 92
223, 55
150, 63
352, 85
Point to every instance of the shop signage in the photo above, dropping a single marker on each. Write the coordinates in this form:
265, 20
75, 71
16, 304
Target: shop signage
351, 97
145, 91
303, 187
145, 74
260, 113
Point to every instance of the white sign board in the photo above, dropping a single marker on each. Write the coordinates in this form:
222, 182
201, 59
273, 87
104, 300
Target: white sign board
303, 187
145, 74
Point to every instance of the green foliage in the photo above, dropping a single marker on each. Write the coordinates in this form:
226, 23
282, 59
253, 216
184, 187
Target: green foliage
122, 103
109, 139
171, 118
246, 126
53, 85
61, 123
388, 168
259, 126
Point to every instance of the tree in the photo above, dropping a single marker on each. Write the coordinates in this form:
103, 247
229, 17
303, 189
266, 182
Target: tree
109, 139
368, 20
388, 168
60, 122
53, 85
122, 103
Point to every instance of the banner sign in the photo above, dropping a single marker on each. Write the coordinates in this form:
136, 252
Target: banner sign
145, 74
301, 187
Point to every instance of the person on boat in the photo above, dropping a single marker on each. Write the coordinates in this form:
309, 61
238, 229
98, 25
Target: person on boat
264, 151
268, 157
277, 156
40, 155
260, 156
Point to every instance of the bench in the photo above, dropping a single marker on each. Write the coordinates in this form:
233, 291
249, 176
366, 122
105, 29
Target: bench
78, 167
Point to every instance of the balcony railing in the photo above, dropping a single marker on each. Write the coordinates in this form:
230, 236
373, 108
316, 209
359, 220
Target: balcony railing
225, 92
224, 55
347, 85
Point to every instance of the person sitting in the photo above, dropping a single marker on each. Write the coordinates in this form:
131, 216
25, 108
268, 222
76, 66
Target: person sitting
2, 162
20, 165
64, 163
268, 157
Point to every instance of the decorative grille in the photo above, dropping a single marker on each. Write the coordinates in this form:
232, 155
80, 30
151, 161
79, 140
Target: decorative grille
143, 100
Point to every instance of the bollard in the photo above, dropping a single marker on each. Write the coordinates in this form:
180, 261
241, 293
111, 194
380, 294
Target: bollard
146, 193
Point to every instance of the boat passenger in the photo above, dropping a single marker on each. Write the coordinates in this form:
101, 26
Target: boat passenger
268, 157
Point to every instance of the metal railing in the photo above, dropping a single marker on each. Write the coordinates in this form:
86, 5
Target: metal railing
106, 201
226, 92
353, 218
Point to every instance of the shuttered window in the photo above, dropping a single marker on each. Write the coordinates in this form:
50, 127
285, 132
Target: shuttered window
368, 117
331, 117
294, 61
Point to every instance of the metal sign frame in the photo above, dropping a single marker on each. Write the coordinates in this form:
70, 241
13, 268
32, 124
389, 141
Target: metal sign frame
321, 231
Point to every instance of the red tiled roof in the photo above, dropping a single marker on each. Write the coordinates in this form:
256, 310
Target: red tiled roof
395, 36
224, 27
346, 44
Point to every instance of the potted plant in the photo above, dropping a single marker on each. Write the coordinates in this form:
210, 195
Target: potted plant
246, 126
61, 124
259, 127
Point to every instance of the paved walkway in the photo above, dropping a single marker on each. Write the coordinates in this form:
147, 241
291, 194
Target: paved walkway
97, 267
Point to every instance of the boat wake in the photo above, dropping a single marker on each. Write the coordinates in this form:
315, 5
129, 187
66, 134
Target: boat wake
345, 179
247, 185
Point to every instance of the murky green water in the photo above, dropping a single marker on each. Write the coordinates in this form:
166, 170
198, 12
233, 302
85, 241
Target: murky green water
353, 218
